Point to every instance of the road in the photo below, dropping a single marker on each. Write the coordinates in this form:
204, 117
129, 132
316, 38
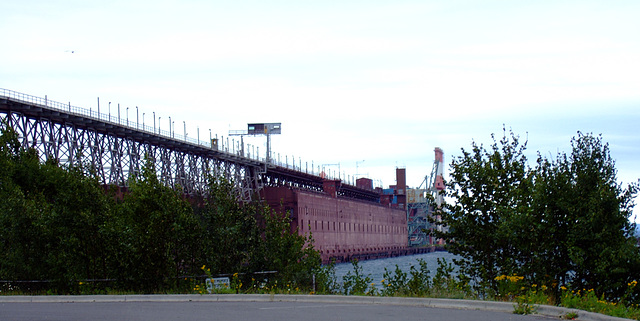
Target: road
276, 311
266, 307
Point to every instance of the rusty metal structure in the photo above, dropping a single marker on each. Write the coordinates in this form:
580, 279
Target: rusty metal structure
422, 201
115, 148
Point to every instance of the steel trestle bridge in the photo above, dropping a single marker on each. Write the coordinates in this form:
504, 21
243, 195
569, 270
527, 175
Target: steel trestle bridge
117, 148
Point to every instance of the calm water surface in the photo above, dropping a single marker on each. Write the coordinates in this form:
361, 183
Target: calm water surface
375, 268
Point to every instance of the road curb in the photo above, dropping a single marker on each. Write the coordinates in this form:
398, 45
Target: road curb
506, 307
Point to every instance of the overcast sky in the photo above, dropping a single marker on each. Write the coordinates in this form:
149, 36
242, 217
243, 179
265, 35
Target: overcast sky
383, 82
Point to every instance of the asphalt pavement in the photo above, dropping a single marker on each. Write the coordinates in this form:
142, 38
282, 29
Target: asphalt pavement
266, 307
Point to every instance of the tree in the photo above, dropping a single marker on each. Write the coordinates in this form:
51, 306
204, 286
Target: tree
252, 237
492, 190
50, 218
17, 232
287, 252
566, 222
230, 234
156, 235
74, 208
583, 220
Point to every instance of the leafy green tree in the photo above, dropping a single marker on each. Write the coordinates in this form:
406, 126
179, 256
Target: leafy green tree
492, 189
287, 252
156, 234
564, 222
18, 231
583, 221
247, 238
50, 219
75, 206
230, 234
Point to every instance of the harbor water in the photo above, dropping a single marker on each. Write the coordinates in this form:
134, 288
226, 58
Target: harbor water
375, 268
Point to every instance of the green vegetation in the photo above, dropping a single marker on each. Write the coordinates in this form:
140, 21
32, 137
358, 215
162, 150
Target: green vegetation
60, 228
449, 283
50, 220
564, 223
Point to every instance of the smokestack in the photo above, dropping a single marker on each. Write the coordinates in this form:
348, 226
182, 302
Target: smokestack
401, 187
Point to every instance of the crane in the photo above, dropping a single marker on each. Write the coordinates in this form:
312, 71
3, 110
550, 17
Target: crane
419, 211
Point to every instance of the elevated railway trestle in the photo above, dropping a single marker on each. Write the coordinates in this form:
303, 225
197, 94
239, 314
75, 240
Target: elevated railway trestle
117, 148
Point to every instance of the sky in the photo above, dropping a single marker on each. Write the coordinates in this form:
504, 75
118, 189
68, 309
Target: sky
369, 85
